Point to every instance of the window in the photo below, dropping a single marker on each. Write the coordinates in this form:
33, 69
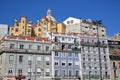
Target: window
47, 59
70, 73
38, 60
38, 48
56, 63
30, 47
39, 29
47, 72
12, 46
20, 58
20, 72
28, 30
38, 71
23, 27
12, 28
71, 21
56, 73
70, 64
47, 48
56, 54
63, 38
17, 24
11, 59
63, 63
93, 28
16, 29
76, 54
102, 30
70, 54
76, 63
63, 54
67, 22
30, 58
10, 72
21, 46
29, 70
45, 28
77, 73
63, 73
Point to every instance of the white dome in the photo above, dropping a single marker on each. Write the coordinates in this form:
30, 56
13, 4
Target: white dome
49, 16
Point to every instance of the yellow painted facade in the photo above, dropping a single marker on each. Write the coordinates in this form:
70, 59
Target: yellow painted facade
46, 25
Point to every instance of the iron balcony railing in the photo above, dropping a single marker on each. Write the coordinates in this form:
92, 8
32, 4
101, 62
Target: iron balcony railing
57, 48
94, 44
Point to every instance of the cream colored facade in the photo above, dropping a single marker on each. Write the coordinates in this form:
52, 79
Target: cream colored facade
75, 25
47, 24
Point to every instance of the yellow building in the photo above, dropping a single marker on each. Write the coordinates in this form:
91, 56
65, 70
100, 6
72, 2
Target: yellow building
46, 25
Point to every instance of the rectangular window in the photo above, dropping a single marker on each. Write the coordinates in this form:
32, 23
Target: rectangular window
63, 63
38, 60
11, 59
12, 46
77, 73
56, 54
38, 71
20, 72
76, 54
29, 70
70, 64
56, 63
30, 47
70, 54
70, 73
63, 73
63, 54
16, 30
56, 73
38, 48
20, 58
10, 72
30, 58
47, 72
47, 48
21, 46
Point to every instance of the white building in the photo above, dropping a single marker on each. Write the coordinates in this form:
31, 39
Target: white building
84, 26
25, 58
3, 30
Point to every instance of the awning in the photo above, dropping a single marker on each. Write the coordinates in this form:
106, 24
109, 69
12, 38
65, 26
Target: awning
20, 77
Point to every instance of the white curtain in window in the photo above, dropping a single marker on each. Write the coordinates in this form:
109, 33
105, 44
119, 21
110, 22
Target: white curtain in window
76, 63
30, 58
47, 70
29, 70
47, 58
38, 70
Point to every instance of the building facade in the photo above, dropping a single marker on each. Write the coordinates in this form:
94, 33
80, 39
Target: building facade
25, 58
3, 30
87, 26
47, 24
114, 49
95, 58
66, 57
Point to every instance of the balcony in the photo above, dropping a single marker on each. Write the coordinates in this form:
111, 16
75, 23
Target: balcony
93, 44
16, 50
57, 48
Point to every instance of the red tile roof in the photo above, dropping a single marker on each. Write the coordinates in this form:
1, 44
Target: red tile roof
29, 38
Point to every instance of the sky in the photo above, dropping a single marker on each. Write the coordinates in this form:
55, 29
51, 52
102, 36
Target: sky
106, 10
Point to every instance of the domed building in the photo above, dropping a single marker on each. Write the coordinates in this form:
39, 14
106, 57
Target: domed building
49, 16
48, 24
